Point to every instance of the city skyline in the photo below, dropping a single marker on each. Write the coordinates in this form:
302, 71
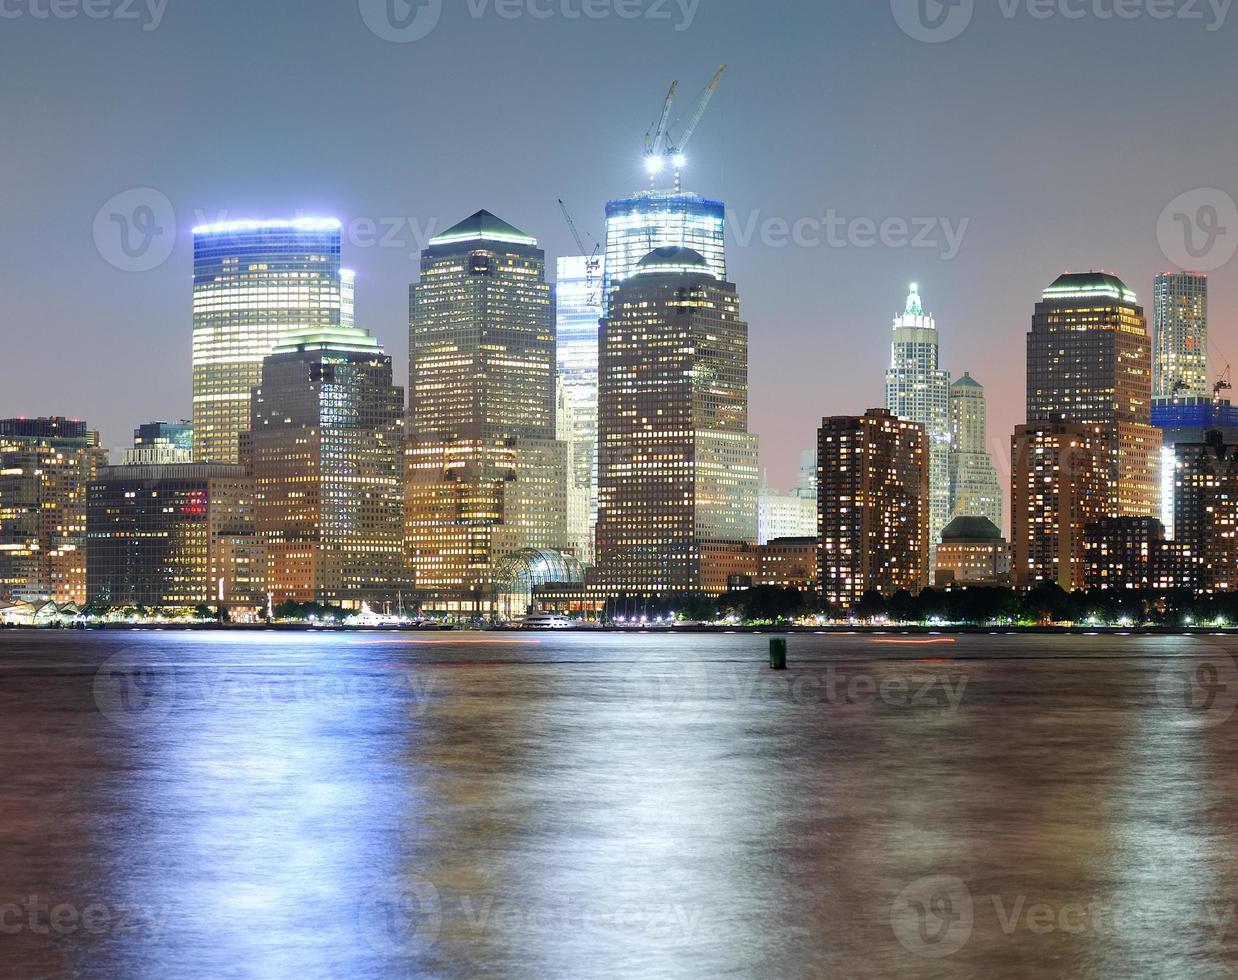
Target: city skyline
829, 152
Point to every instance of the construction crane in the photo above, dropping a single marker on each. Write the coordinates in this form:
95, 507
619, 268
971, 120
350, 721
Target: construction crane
593, 260
1223, 384
661, 147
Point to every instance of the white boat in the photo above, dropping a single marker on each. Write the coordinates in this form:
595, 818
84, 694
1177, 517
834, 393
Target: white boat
546, 621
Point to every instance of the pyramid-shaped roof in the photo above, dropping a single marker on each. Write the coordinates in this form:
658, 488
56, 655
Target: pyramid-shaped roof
483, 227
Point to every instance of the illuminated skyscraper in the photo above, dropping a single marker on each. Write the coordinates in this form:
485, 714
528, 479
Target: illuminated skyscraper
917, 390
160, 443
974, 488
253, 282
1059, 485
46, 466
175, 535
486, 475
1180, 320
635, 226
1089, 362
327, 444
872, 505
578, 308
677, 486
1187, 420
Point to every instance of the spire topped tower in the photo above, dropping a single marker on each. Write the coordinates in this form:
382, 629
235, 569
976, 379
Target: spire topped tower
917, 390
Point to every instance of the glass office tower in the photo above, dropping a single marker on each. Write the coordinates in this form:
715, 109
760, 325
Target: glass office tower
253, 282
578, 308
635, 226
486, 476
1180, 320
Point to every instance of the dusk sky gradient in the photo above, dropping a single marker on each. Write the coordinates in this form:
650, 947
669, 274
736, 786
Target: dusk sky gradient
1061, 141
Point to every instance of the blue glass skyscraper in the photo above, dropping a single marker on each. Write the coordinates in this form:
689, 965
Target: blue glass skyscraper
637, 225
253, 282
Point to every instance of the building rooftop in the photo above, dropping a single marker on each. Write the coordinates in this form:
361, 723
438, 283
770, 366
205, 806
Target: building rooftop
344, 340
483, 227
971, 529
967, 381
1082, 285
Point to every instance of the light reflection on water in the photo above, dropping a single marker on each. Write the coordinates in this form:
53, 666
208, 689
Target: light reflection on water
306, 805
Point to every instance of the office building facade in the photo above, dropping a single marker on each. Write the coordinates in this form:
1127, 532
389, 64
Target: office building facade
326, 453
46, 466
486, 475
175, 535
1089, 362
160, 443
253, 282
974, 488
677, 494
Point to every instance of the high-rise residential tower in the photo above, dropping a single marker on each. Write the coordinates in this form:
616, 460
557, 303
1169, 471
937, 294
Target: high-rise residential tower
872, 505
1059, 484
1180, 335
677, 493
974, 487
326, 456
486, 476
1089, 362
578, 308
637, 225
253, 282
917, 390
46, 466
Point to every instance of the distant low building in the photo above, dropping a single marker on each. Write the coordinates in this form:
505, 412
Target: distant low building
789, 562
972, 552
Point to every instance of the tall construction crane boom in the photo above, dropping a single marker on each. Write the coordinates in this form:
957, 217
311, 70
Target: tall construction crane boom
656, 135
706, 96
1223, 384
593, 260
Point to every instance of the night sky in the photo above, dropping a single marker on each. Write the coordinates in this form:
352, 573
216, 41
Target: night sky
1059, 142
